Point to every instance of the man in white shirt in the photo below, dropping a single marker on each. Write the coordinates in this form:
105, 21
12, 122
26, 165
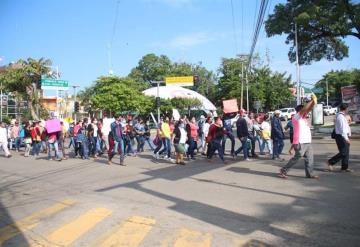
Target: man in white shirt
342, 134
4, 140
302, 140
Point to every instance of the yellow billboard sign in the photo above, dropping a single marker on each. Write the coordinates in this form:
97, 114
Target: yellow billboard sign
185, 81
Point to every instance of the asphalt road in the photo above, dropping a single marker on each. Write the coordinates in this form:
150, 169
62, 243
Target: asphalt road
148, 203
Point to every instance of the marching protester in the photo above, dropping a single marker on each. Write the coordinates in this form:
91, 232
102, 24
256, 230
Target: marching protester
266, 136
242, 133
206, 127
228, 133
140, 135
192, 132
302, 140
252, 134
277, 135
117, 133
27, 139
4, 139
201, 133
215, 136
289, 126
342, 139
166, 139
180, 137
36, 139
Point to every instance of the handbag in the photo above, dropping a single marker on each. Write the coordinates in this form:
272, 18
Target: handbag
156, 141
333, 134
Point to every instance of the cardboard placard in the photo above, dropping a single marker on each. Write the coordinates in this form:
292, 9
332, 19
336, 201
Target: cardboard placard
230, 106
53, 126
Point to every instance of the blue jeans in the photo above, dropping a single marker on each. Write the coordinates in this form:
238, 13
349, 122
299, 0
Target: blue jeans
140, 143
243, 147
116, 149
191, 149
17, 143
266, 143
278, 145
167, 147
55, 145
36, 148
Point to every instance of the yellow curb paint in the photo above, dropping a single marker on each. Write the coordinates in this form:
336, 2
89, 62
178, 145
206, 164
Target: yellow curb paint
32, 221
129, 234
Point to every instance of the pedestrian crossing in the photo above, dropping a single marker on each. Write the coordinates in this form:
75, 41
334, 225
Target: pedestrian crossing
129, 232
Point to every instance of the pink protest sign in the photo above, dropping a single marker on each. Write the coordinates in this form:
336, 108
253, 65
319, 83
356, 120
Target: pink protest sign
53, 125
230, 106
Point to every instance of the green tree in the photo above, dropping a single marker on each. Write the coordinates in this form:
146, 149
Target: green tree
23, 80
336, 80
151, 68
270, 88
322, 25
116, 94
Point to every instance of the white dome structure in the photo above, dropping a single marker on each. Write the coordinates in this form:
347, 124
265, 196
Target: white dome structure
170, 92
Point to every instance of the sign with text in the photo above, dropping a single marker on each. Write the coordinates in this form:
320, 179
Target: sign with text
54, 84
184, 81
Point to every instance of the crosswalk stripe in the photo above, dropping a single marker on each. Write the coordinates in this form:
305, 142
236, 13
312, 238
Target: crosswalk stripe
189, 238
71, 231
129, 234
31, 221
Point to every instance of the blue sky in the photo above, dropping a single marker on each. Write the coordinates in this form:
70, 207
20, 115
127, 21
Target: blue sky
75, 35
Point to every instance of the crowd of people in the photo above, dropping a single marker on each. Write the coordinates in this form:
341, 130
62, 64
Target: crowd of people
179, 140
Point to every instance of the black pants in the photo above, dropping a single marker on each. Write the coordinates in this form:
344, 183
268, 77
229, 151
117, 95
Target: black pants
343, 155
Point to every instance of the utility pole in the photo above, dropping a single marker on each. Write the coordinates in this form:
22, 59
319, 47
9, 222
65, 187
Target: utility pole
298, 86
247, 92
327, 92
242, 86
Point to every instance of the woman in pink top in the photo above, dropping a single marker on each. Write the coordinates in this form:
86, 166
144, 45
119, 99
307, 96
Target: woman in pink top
192, 131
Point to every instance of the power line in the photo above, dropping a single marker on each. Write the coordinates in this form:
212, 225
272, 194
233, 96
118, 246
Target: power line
110, 45
260, 20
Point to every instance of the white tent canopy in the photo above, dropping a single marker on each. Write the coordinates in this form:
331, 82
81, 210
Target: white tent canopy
170, 92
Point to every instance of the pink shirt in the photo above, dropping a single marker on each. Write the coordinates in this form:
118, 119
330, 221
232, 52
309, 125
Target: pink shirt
302, 132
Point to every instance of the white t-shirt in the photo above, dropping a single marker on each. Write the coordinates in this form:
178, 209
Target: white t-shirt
107, 125
206, 127
183, 136
302, 132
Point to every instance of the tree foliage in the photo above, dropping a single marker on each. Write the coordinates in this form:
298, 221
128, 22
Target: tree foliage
116, 94
322, 25
338, 79
23, 80
155, 68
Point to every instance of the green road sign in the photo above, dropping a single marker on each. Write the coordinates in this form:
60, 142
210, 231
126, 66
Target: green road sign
54, 84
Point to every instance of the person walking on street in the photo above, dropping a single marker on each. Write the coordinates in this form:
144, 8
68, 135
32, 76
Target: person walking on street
192, 132
242, 133
117, 133
4, 139
228, 133
302, 140
179, 141
342, 138
277, 135
216, 135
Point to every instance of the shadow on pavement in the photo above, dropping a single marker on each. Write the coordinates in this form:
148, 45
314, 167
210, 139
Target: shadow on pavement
7, 225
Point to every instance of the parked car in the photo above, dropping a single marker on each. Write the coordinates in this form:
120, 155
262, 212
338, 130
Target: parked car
329, 110
286, 113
